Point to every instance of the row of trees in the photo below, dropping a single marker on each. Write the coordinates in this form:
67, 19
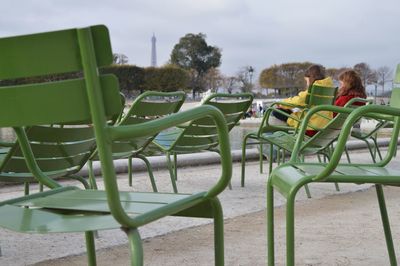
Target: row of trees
291, 75
193, 66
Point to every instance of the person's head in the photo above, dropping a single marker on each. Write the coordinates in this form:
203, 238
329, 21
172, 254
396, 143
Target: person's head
313, 73
351, 84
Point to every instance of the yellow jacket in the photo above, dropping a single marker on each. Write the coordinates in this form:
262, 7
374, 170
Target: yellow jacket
316, 120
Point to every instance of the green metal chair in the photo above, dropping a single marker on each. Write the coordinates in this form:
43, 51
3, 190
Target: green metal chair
317, 95
288, 178
372, 135
200, 135
60, 151
146, 107
94, 97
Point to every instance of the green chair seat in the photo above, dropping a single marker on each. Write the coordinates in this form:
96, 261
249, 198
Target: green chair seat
289, 176
73, 210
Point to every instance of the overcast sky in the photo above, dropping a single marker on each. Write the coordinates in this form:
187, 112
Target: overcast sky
259, 33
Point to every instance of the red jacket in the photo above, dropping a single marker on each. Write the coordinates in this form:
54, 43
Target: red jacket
340, 101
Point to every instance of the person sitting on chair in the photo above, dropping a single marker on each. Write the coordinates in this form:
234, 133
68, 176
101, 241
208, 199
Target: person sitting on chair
314, 75
350, 87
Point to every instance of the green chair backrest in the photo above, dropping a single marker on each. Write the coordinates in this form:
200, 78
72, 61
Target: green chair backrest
316, 95
329, 134
71, 101
59, 151
52, 53
320, 95
395, 97
146, 107
201, 134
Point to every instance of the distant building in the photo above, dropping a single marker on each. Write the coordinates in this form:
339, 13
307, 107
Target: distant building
153, 51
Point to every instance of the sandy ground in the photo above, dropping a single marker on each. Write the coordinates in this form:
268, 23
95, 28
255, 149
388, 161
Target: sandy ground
322, 225
336, 230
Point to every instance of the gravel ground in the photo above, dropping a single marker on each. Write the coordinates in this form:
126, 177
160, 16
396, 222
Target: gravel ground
243, 211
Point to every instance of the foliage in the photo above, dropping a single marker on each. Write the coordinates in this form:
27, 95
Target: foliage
367, 75
130, 77
194, 54
288, 75
213, 79
168, 78
120, 59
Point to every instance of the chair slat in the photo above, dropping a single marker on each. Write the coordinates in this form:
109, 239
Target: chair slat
55, 102
49, 53
59, 134
17, 164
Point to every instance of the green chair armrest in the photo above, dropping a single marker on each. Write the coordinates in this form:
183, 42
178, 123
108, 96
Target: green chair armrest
354, 115
155, 126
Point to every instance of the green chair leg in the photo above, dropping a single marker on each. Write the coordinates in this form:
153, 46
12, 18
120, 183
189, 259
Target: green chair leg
290, 229
82, 180
176, 166
243, 160
171, 173
347, 154
218, 232
26, 188
149, 170
130, 170
270, 224
370, 151
136, 248
377, 148
386, 224
92, 179
307, 191
41, 187
90, 248
261, 159
270, 161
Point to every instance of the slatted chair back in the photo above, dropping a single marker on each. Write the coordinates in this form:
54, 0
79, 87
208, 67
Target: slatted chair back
395, 97
316, 95
326, 136
320, 95
59, 151
58, 102
146, 107
201, 134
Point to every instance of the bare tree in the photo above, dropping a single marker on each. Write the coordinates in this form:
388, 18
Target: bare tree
384, 74
229, 84
245, 77
213, 79
367, 75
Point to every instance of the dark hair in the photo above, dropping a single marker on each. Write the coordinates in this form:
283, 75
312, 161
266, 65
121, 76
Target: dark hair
352, 84
315, 72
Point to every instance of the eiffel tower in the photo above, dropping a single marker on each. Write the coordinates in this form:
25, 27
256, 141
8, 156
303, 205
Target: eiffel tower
153, 51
